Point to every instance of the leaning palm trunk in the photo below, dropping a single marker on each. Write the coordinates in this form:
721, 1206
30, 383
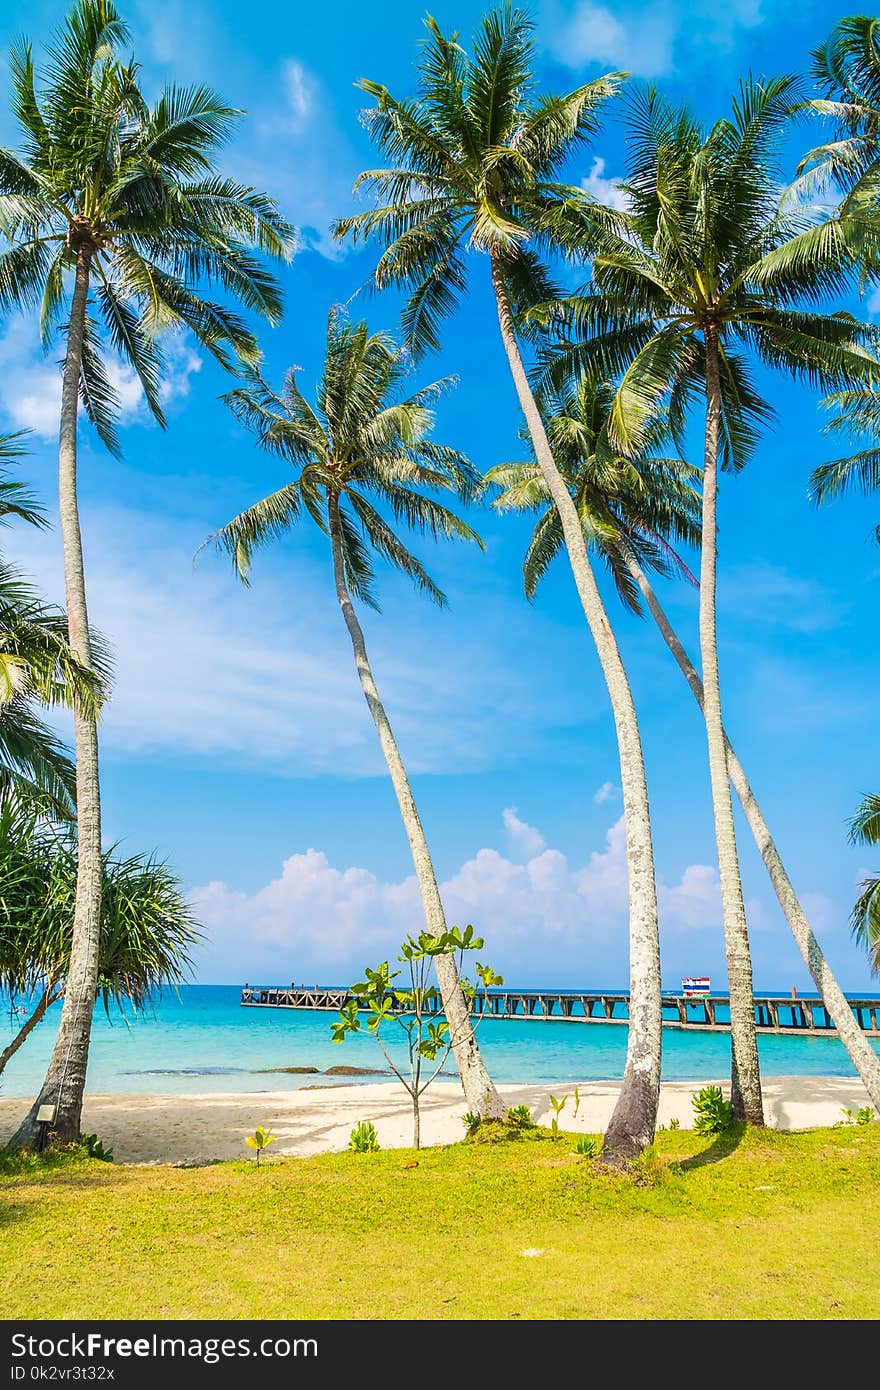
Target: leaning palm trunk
65, 1081
479, 1090
48, 997
862, 1055
745, 1083
635, 1114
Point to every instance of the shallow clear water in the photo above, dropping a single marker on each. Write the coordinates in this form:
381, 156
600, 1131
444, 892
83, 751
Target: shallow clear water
204, 1040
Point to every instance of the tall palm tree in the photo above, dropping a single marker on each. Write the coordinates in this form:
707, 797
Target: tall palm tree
37, 667
635, 512
702, 264
147, 926
475, 164
114, 215
865, 830
364, 446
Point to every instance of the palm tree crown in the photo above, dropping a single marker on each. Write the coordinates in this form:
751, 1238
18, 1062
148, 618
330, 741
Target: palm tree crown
846, 69
361, 447
134, 186
638, 507
476, 159
704, 248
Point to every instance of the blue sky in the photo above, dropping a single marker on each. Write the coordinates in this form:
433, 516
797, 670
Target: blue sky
238, 743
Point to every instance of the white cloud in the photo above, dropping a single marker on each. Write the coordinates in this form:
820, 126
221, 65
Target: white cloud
30, 381
649, 41
299, 86
522, 836
605, 190
544, 915
609, 791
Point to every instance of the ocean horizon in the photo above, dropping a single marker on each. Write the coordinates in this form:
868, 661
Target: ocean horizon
202, 1040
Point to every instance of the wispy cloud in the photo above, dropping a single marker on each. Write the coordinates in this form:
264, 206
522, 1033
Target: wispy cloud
609, 791
649, 41
523, 837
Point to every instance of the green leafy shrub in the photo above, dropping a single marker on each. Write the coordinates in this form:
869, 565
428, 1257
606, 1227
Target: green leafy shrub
713, 1113
363, 1138
862, 1116
471, 1123
588, 1146
94, 1147
519, 1117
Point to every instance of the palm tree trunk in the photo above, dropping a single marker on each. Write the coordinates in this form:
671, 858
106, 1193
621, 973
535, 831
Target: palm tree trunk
49, 995
745, 1085
634, 1119
862, 1054
65, 1081
475, 1079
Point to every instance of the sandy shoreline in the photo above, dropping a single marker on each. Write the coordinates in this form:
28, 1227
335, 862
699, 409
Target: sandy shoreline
201, 1128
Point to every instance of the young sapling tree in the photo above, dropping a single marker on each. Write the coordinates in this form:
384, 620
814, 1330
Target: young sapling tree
413, 1010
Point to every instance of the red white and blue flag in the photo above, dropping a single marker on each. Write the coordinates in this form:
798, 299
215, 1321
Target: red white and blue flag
696, 984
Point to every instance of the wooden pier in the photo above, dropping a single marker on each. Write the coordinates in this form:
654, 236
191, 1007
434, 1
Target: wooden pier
707, 1014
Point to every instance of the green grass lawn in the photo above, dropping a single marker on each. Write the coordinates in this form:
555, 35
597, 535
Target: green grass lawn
754, 1225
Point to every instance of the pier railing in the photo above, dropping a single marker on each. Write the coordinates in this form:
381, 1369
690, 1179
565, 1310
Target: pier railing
710, 1013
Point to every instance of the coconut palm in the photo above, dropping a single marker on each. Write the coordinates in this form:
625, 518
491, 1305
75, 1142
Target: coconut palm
635, 512
37, 667
114, 216
475, 164
364, 446
702, 274
147, 927
865, 830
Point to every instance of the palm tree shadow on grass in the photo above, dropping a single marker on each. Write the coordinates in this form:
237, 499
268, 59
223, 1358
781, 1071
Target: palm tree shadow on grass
722, 1146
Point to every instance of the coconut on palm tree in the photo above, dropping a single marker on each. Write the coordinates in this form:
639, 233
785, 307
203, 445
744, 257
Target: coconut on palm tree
700, 276
365, 465
475, 177
114, 217
865, 830
635, 512
147, 926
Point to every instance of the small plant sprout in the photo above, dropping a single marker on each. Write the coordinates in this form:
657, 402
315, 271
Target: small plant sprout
363, 1138
471, 1123
713, 1113
520, 1117
577, 1101
862, 1116
674, 1123
588, 1146
260, 1140
558, 1107
415, 1011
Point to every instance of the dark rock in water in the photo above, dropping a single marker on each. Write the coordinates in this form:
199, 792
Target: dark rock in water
355, 1071
291, 1071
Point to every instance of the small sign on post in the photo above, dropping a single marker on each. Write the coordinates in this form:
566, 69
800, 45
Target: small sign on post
46, 1115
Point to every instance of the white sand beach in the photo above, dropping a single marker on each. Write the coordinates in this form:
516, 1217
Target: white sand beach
202, 1128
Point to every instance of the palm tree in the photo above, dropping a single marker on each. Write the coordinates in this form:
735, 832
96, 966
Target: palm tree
114, 215
475, 161
865, 830
36, 667
702, 264
634, 512
147, 928
359, 446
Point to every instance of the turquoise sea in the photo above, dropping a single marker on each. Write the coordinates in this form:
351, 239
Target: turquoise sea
203, 1040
